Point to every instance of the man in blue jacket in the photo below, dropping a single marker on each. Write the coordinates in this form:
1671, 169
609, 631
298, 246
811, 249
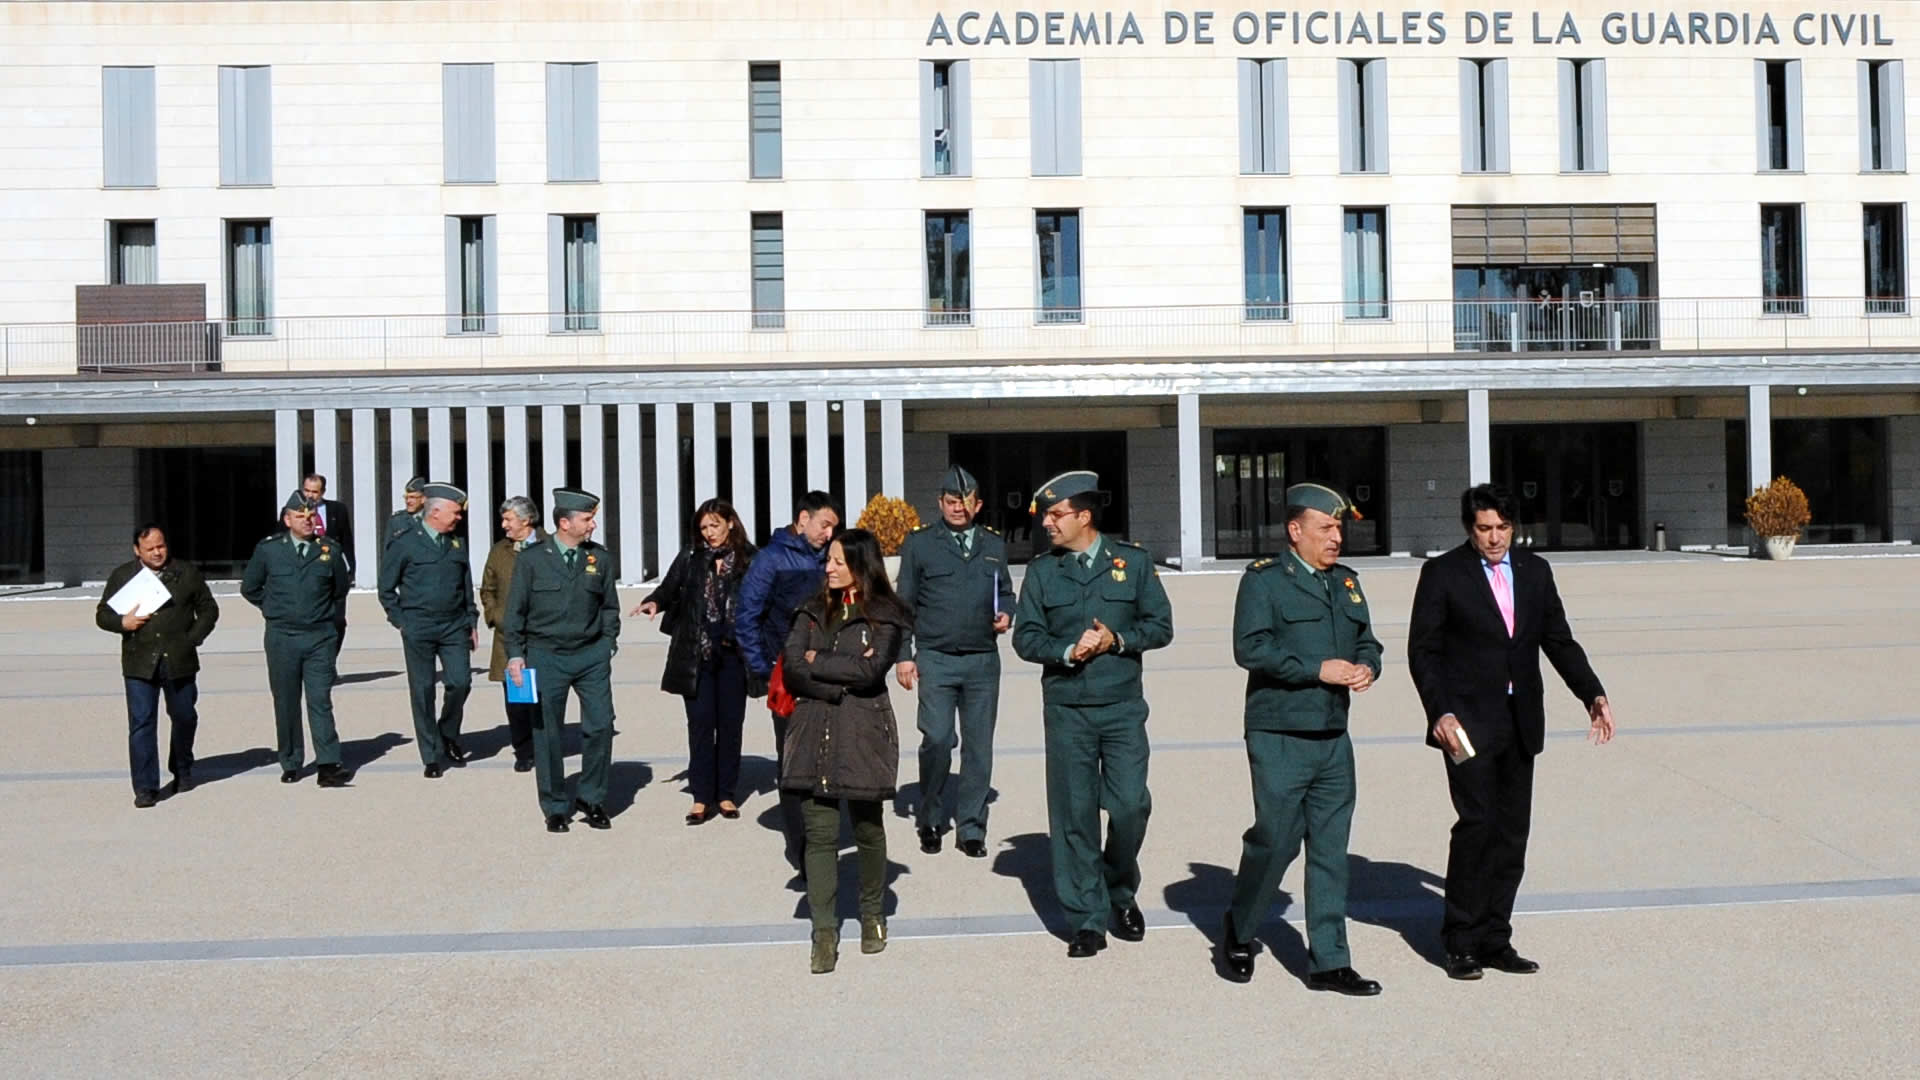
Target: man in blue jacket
785, 574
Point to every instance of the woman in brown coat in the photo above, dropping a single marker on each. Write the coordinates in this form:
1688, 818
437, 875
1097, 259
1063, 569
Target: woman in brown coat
520, 520
842, 743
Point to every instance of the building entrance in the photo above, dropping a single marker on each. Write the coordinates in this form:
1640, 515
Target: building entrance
1010, 467
1576, 486
1252, 469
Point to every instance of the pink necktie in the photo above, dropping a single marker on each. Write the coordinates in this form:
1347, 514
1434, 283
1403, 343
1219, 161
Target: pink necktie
1503, 593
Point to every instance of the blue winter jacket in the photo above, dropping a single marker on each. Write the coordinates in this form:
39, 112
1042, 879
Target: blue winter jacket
783, 576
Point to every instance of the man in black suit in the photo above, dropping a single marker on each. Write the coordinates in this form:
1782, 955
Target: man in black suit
331, 520
1482, 615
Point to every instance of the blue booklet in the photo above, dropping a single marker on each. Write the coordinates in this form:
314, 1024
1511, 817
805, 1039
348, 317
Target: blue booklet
528, 692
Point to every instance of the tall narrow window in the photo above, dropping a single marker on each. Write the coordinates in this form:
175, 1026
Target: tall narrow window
1056, 236
1883, 116
1884, 240
246, 126
473, 276
132, 256
949, 269
769, 272
1263, 116
1265, 250
466, 123
1583, 116
1055, 92
1782, 260
249, 278
573, 122
763, 107
127, 125
1778, 128
1363, 262
1483, 116
573, 274
946, 118
1362, 91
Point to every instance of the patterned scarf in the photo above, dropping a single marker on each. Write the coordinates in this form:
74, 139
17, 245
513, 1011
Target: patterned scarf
717, 600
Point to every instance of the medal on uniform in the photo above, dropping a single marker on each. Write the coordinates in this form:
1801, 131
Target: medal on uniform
1119, 569
592, 569
456, 543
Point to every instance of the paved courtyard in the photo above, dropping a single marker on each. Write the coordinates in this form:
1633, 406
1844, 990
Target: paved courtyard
1730, 889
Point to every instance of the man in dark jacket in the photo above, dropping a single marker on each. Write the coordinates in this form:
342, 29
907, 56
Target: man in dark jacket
159, 657
332, 521
785, 574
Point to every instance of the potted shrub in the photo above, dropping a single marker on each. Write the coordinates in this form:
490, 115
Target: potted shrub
890, 520
1776, 513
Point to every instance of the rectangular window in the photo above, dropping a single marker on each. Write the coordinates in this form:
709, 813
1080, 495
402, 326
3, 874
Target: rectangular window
1263, 116
1363, 116
1777, 121
1883, 116
769, 272
473, 276
1782, 260
246, 126
573, 273
133, 258
1055, 91
466, 123
949, 269
1483, 116
249, 278
1265, 249
1363, 262
946, 118
763, 109
1056, 235
1884, 236
127, 125
1583, 116
573, 123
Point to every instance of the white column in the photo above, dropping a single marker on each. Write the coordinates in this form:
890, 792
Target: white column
1479, 439
400, 440
853, 449
513, 440
630, 506
1759, 437
553, 452
666, 480
1192, 475
706, 453
893, 449
779, 464
740, 439
286, 456
593, 454
326, 451
482, 508
440, 444
366, 500
819, 470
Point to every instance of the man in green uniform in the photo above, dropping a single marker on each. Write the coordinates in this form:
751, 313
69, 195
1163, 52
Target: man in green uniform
426, 587
1088, 611
563, 627
954, 577
1302, 631
298, 581
402, 522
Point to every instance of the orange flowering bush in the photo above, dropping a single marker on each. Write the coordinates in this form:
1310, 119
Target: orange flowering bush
1779, 509
889, 520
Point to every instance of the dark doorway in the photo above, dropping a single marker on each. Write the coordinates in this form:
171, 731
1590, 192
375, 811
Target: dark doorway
23, 543
1252, 469
212, 502
1010, 467
1840, 463
1577, 486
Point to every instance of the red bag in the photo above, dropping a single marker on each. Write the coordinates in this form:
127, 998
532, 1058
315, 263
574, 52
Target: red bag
778, 699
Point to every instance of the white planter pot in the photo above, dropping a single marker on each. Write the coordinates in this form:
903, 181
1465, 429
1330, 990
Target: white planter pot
1780, 547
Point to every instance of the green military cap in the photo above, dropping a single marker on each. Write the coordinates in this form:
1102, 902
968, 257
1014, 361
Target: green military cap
1066, 486
574, 500
296, 501
1322, 498
959, 481
417, 485
444, 491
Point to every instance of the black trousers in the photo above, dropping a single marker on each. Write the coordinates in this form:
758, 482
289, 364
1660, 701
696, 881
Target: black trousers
1493, 798
716, 713
520, 719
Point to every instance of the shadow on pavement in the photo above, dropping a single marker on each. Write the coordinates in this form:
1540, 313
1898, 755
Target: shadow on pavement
358, 753
1204, 898
364, 676
1028, 861
1399, 897
624, 781
209, 770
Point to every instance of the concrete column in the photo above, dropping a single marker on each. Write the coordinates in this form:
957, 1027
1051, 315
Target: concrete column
553, 452
513, 439
326, 451
286, 456
740, 439
630, 505
366, 500
593, 454
1479, 439
893, 449
853, 444
400, 457
819, 471
1759, 437
780, 497
666, 480
440, 444
706, 452
1192, 476
482, 506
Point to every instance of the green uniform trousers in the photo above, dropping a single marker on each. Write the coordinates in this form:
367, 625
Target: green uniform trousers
454, 653
1302, 789
822, 817
587, 673
967, 686
302, 659
1096, 760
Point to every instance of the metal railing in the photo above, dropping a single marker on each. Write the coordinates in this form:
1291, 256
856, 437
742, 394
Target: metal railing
320, 344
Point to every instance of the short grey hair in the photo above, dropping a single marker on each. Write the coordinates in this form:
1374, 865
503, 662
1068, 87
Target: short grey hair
523, 508
432, 499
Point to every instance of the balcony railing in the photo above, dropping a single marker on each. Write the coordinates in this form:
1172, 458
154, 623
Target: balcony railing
731, 338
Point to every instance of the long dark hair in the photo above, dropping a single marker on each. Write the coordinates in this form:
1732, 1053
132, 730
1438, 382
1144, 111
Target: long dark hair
737, 540
869, 570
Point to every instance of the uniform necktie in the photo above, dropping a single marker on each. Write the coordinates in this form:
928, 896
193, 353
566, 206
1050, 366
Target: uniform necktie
1086, 560
569, 557
965, 539
300, 548
1503, 593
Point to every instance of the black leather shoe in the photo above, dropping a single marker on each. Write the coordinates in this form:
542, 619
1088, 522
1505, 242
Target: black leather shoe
1085, 943
556, 823
524, 764
434, 771
1510, 962
1463, 966
1236, 957
333, 776
456, 756
930, 841
182, 782
290, 776
973, 849
1343, 980
730, 815
595, 815
1129, 924
145, 800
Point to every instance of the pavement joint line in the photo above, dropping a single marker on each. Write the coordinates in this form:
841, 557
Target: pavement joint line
1381, 911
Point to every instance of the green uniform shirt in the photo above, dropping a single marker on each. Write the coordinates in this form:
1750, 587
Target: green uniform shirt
295, 591
955, 592
563, 609
398, 525
1287, 620
426, 584
1060, 599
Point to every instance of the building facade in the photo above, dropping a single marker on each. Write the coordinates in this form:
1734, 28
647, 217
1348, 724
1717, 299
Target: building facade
1630, 262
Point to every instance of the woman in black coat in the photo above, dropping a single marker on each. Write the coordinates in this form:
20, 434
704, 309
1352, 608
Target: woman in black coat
842, 743
704, 665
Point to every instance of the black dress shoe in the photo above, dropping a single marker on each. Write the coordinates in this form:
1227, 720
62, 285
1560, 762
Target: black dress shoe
556, 823
524, 764
333, 776
434, 771
1129, 924
1510, 962
1343, 980
1236, 957
930, 841
1085, 943
145, 800
290, 776
594, 815
973, 848
1463, 966
456, 756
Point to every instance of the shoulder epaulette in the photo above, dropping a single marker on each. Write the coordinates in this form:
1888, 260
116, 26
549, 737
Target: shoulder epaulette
917, 528
1261, 564
991, 529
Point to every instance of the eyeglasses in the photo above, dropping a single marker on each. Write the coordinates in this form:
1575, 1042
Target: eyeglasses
1056, 515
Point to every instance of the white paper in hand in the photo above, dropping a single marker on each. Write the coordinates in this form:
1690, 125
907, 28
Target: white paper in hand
1466, 747
142, 595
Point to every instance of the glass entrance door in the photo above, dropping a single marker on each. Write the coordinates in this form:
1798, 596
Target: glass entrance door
1575, 486
1251, 471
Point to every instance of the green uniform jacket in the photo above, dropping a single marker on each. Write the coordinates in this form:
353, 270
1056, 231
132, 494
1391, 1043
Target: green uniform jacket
495, 578
1284, 627
427, 588
1059, 600
296, 593
397, 526
174, 633
954, 597
559, 609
